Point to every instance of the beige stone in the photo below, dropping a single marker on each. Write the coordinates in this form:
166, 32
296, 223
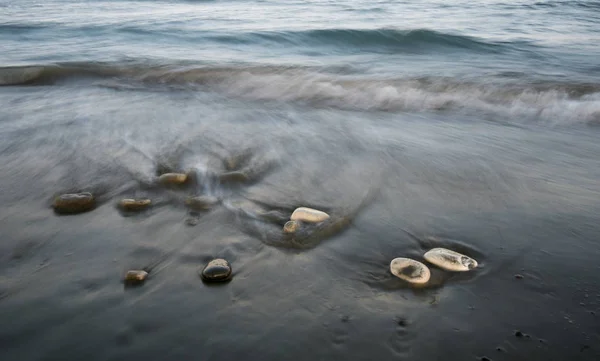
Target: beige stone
135, 276
132, 205
450, 260
309, 215
410, 270
173, 178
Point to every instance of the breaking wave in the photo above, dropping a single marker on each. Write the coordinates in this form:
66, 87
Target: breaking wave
550, 100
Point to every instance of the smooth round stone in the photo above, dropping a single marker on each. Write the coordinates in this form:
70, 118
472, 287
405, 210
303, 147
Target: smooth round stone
410, 270
291, 226
133, 205
450, 260
309, 215
173, 178
201, 202
135, 277
217, 270
74, 203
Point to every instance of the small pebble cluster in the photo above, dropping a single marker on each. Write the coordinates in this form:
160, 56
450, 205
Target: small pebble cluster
219, 270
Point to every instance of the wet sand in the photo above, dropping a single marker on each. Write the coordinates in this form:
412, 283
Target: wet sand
520, 200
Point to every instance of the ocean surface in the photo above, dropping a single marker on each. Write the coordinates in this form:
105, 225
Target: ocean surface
470, 125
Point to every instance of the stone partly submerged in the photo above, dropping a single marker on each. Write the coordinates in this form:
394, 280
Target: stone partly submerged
291, 226
307, 234
411, 271
74, 203
201, 203
450, 260
171, 179
134, 205
309, 215
217, 270
135, 277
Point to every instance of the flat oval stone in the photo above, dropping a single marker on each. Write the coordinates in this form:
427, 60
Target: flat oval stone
410, 270
291, 226
309, 215
74, 203
201, 202
173, 178
133, 205
217, 270
450, 260
135, 277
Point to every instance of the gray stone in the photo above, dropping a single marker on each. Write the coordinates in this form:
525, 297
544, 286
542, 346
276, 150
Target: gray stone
74, 203
201, 203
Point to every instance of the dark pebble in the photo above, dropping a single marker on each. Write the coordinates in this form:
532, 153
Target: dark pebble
499, 349
519, 334
217, 270
485, 359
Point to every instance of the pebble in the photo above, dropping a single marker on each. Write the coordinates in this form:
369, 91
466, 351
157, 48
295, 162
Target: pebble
173, 178
291, 227
450, 260
519, 276
135, 277
410, 270
133, 205
74, 203
201, 203
309, 215
217, 270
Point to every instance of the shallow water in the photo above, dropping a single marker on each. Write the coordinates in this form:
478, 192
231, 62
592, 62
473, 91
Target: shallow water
430, 124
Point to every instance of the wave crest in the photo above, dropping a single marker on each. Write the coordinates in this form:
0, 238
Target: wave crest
551, 101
